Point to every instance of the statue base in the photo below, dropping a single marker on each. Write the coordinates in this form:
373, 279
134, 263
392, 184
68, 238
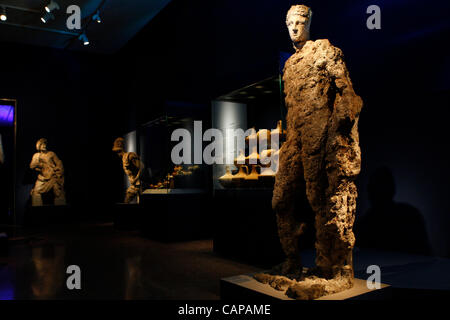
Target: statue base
246, 287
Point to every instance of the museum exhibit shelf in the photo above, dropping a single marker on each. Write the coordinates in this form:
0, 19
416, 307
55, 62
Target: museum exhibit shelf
176, 214
244, 223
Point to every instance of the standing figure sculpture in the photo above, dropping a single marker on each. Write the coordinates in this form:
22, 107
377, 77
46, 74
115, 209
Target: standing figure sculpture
321, 157
50, 175
132, 166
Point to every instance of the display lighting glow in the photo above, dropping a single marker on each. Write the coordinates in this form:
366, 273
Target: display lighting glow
6, 115
83, 38
3, 16
47, 16
51, 6
96, 17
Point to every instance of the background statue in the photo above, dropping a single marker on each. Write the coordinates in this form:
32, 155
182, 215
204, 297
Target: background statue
132, 166
50, 177
321, 157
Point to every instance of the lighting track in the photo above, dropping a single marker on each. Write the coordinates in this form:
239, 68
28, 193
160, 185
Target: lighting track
40, 28
7, 6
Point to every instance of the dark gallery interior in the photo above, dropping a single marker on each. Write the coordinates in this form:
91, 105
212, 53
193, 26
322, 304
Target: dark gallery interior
100, 102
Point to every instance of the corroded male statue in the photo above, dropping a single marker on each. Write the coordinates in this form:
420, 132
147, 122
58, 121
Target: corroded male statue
321, 157
50, 177
132, 166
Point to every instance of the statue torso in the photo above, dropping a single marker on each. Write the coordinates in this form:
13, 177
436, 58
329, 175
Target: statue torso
128, 163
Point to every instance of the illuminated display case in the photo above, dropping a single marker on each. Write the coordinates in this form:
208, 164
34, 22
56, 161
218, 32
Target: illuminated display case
162, 175
175, 199
258, 110
7, 158
245, 225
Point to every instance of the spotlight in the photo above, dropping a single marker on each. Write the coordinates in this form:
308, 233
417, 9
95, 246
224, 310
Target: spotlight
3, 16
83, 38
96, 17
47, 16
52, 6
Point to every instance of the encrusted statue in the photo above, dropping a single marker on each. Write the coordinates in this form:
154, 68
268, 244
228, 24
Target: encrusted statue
132, 166
321, 157
50, 177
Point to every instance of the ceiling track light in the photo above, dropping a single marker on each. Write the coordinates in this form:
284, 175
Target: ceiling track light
96, 17
83, 38
52, 6
3, 16
47, 16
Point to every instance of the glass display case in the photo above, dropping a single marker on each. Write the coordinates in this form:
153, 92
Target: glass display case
175, 196
7, 159
161, 174
256, 111
245, 225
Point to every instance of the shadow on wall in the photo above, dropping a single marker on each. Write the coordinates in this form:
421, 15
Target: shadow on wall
388, 225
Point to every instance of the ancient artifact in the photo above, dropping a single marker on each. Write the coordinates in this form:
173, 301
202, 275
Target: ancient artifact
240, 159
321, 157
264, 138
227, 178
133, 168
50, 175
269, 162
238, 179
252, 178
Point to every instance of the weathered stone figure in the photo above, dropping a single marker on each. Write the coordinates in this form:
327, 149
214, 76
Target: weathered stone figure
50, 177
321, 156
132, 166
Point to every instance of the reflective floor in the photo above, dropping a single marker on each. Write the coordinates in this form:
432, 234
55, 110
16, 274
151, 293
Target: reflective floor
114, 265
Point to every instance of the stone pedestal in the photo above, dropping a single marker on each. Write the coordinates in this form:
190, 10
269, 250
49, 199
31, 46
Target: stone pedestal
246, 287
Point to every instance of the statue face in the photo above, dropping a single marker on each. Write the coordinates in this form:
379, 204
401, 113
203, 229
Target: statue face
298, 28
118, 146
41, 146
298, 22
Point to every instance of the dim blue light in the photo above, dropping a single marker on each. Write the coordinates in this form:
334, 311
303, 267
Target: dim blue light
6, 115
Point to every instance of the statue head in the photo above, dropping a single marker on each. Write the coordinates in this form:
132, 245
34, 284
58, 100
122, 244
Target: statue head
119, 146
41, 145
298, 21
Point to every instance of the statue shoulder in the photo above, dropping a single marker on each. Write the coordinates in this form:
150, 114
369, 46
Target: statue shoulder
325, 46
132, 156
51, 154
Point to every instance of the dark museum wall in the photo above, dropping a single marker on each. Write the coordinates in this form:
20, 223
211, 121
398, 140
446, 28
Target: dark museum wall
198, 50
194, 51
70, 99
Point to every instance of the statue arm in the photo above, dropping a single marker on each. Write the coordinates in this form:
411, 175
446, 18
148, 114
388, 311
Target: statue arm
138, 164
35, 162
58, 165
347, 103
347, 108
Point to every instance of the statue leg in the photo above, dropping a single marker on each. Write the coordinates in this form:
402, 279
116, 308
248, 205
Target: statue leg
289, 185
132, 193
36, 200
36, 194
335, 238
60, 196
